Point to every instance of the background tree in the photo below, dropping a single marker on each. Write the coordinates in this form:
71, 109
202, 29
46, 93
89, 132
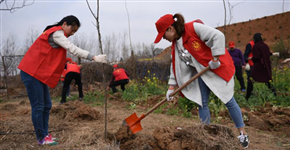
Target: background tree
9, 49
32, 35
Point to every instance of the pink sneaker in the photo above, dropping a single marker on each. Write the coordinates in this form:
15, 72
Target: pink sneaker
47, 141
52, 138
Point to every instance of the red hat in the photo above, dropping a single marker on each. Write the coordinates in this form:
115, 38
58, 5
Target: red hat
115, 66
232, 44
68, 59
162, 24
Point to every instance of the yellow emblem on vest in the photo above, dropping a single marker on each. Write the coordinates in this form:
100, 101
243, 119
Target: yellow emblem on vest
196, 46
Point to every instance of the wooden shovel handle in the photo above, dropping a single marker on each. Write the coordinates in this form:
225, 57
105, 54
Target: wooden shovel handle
178, 90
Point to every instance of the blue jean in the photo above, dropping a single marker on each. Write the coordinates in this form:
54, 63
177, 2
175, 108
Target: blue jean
40, 102
233, 107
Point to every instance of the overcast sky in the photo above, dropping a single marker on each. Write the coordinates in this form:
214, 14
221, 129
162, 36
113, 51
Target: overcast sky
143, 15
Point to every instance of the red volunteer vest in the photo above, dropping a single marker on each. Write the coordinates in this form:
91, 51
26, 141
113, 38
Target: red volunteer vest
120, 74
198, 49
72, 68
251, 63
44, 62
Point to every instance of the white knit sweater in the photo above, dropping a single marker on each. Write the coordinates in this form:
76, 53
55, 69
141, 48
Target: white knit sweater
59, 39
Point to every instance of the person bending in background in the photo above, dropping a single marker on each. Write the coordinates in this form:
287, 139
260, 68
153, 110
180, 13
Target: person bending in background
239, 63
72, 73
63, 76
42, 66
195, 46
262, 71
119, 77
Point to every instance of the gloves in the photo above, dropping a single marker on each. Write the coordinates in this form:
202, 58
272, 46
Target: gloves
286, 60
100, 58
167, 95
276, 54
214, 64
247, 67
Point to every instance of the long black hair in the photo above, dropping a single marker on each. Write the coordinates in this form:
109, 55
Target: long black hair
70, 20
257, 37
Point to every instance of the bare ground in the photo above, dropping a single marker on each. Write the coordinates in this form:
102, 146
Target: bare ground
80, 126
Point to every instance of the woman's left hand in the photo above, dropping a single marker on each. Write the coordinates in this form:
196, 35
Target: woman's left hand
214, 64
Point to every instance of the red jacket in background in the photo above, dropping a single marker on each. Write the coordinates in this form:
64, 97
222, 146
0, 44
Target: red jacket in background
120, 74
72, 68
44, 62
250, 61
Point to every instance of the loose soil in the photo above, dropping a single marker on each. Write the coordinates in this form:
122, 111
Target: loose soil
81, 126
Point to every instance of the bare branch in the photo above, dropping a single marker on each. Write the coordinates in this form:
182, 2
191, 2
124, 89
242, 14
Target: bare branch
225, 21
98, 24
13, 6
129, 26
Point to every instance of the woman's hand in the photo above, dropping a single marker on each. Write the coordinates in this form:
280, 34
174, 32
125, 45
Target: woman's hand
100, 58
169, 91
214, 64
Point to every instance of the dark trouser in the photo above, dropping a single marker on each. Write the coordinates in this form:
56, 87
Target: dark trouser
249, 73
120, 82
67, 81
249, 83
67, 93
239, 75
250, 89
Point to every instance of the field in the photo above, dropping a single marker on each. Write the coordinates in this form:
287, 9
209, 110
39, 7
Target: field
81, 124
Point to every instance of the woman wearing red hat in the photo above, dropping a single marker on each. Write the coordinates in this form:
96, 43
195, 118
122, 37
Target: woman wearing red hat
194, 47
43, 65
119, 77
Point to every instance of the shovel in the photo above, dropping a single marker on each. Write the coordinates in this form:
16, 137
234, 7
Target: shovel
134, 122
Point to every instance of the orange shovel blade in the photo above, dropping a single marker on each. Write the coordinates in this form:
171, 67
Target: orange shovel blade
134, 123
136, 127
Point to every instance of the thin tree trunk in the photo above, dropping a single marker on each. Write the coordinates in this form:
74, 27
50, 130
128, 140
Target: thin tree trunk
101, 48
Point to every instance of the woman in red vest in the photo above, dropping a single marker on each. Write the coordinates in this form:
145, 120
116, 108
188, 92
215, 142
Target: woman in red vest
43, 65
119, 77
194, 47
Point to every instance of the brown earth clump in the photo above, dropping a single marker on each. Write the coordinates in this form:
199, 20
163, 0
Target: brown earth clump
75, 110
198, 137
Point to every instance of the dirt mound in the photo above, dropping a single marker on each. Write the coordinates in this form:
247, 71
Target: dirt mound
75, 110
268, 117
198, 137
